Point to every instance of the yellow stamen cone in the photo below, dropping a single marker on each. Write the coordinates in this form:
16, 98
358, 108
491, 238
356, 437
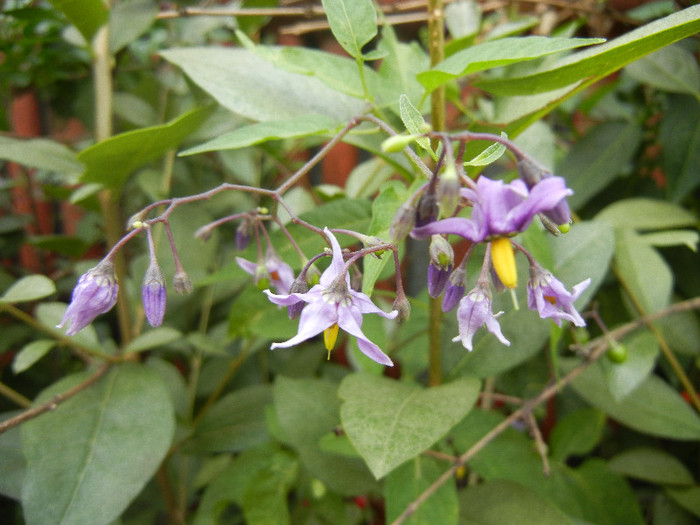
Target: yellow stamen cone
503, 260
330, 335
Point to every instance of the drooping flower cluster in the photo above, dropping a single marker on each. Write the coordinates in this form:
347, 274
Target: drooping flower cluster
500, 211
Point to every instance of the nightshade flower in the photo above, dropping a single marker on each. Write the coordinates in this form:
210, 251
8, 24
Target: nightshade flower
333, 304
94, 294
279, 272
499, 209
154, 294
475, 311
547, 295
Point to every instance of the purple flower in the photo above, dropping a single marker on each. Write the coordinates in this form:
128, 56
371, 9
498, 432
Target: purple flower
547, 295
499, 209
442, 259
454, 290
332, 302
153, 294
94, 294
279, 272
474, 312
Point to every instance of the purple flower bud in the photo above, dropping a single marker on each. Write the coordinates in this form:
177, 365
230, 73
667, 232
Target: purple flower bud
153, 294
427, 208
243, 235
403, 222
531, 173
182, 283
94, 294
437, 279
454, 290
298, 286
441, 261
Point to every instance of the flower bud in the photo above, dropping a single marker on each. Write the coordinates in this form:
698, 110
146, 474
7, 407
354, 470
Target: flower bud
448, 191
403, 222
454, 290
441, 262
531, 172
94, 294
182, 283
243, 235
153, 294
402, 306
427, 208
298, 286
397, 143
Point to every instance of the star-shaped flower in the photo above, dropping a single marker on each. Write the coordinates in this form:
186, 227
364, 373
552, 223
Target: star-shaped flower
547, 295
333, 302
499, 209
475, 311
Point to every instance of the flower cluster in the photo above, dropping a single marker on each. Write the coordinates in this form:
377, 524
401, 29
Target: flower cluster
500, 211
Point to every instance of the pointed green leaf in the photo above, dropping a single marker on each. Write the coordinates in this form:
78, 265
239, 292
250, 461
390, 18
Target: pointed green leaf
303, 126
40, 153
91, 456
87, 15
409, 481
595, 63
577, 433
12, 462
497, 53
646, 214
243, 82
390, 422
128, 21
27, 289
679, 138
353, 23
490, 155
655, 408
31, 353
160, 336
414, 122
651, 464
673, 69
111, 161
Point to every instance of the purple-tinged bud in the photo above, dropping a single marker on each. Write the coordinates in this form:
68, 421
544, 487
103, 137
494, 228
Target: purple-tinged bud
94, 294
441, 262
243, 235
298, 286
448, 191
182, 283
153, 294
402, 306
427, 208
454, 290
403, 222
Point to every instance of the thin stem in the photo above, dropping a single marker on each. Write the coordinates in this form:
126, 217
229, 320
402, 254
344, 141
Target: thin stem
55, 401
14, 396
594, 349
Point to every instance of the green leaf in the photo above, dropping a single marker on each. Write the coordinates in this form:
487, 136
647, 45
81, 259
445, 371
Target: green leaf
87, 15
27, 289
593, 64
113, 434
490, 155
679, 136
353, 23
160, 336
111, 161
623, 378
651, 464
596, 160
128, 21
646, 214
12, 460
410, 480
577, 433
655, 408
390, 422
235, 422
499, 502
31, 353
40, 153
497, 53
645, 273
671, 68
303, 126
686, 238
414, 122
307, 410
243, 82
688, 498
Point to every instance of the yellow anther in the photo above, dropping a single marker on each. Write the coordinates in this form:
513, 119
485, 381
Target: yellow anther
330, 335
504, 262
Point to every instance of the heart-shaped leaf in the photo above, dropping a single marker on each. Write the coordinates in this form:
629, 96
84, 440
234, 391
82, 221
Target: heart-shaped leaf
390, 422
